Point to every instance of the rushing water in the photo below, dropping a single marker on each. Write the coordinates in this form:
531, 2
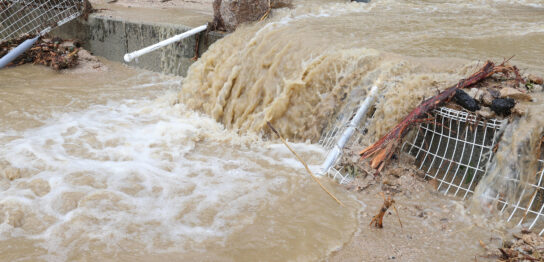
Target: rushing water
297, 70
511, 170
114, 168
123, 165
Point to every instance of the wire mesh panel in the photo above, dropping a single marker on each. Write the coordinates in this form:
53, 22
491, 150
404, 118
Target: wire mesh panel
342, 133
35, 17
329, 139
528, 209
454, 149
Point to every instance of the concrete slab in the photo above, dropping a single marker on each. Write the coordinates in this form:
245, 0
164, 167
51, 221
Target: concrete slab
113, 33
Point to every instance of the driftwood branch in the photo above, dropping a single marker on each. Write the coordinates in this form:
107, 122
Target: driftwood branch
377, 220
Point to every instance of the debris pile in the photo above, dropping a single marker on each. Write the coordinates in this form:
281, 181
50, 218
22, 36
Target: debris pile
499, 95
524, 246
497, 90
52, 52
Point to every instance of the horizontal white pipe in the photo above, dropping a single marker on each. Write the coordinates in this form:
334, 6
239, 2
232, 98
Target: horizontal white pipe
354, 123
130, 56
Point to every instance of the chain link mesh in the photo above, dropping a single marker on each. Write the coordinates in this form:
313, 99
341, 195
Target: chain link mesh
35, 17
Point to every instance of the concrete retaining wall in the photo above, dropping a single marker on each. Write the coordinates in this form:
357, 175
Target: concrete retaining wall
111, 38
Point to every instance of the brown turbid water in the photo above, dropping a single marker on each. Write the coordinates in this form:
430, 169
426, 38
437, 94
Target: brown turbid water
127, 165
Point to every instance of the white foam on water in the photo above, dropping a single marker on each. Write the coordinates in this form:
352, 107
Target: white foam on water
147, 171
529, 3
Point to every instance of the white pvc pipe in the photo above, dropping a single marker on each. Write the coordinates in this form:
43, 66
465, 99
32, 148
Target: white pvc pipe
337, 149
130, 56
16, 52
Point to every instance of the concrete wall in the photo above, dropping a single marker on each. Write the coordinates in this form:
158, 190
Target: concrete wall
112, 38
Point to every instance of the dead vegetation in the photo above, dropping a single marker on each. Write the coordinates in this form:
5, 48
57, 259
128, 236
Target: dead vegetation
388, 202
52, 52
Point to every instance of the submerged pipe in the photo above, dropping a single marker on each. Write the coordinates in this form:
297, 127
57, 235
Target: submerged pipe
16, 52
130, 56
337, 149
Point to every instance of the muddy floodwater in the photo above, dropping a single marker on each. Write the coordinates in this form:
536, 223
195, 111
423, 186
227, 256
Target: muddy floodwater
129, 165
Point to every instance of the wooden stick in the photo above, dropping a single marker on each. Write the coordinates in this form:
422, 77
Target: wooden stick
398, 216
303, 163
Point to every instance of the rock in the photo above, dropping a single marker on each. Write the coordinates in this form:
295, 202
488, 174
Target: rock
228, 14
486, 112
487, 98
68, 44
537, 88
520, 109
515, 94
495, 91
502, 106
466, 101
472, 92
361, 1
536, 79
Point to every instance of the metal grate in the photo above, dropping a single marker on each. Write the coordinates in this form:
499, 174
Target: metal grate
35, 17
528, 211
454, 149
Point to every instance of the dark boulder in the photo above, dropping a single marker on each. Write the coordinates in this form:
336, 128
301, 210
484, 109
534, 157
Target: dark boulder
503, 106
466, 101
